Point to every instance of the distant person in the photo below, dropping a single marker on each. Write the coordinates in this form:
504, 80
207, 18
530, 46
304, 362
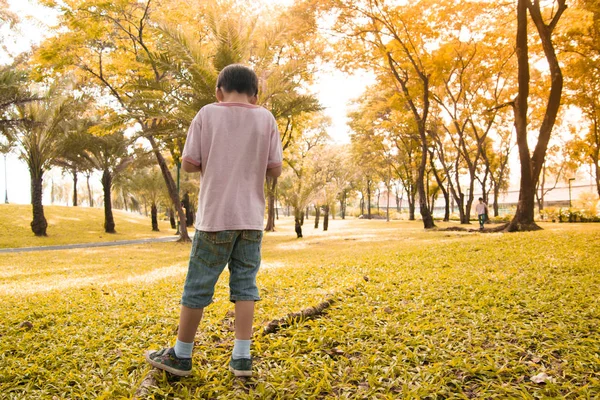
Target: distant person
482, 211
235, 144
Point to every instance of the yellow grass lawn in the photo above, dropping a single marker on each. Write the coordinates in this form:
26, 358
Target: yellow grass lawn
67, 225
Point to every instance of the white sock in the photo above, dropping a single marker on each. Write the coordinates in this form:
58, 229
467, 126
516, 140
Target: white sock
241, 349
183, 349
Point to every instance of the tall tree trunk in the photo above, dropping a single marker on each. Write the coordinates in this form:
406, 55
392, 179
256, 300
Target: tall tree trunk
189, 210
343, 205
368, 200
39, 223
89, 188
387, 205
597, 168
317, 215
425, 213
154, 213
172, 189
74, 172
109, 222
362, 205
325, 217
172, 218
297, 223
531, 165
495, 204
271, 187
411, 205
445, 193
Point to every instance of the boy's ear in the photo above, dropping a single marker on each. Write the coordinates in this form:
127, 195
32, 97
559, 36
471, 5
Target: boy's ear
219, 94
253, 99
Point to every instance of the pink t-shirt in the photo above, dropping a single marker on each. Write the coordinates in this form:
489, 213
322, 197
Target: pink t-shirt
234, 143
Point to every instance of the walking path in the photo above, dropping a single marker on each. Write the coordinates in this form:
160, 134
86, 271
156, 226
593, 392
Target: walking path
92, 244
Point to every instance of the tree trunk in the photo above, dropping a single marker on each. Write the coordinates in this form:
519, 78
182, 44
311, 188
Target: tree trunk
325, 217
271, 186
531, 165
172, 218
540, 194
297, 223
172, 189
317, 215
89, 188
39, 223
109, 222
368, 200
343, 205
307, 214
154, 213
496, 195
411, 206
387, 205
302, 218
189, 212
74, 171
362, 205
425, 213
598, 178
447, 206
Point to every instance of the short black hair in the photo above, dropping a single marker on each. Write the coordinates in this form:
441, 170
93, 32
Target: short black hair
481, 199
239, 78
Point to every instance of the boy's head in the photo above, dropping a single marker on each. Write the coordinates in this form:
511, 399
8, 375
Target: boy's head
238, 78
481, 199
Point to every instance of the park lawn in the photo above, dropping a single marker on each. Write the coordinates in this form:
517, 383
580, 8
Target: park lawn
67, 225
415, 315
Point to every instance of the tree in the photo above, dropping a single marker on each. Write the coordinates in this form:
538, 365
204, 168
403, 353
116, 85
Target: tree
114, 45
43, 125
14, 91
149, 185
109, 154
71, 154
304, 179
581, 43
545, 21
473, 78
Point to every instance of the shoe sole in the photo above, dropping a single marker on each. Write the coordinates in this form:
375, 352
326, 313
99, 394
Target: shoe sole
170, 370
240, 374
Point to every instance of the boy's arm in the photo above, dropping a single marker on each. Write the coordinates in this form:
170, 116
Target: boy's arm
189, 167
274, 172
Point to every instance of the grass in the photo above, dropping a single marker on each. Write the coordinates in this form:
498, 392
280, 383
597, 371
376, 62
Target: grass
68, 225
441, 315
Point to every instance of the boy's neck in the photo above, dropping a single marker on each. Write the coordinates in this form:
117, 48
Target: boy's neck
235, 97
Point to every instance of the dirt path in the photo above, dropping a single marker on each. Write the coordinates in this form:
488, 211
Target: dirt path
92, 244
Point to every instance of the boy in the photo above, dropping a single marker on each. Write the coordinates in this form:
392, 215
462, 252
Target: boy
234, 144
482, 211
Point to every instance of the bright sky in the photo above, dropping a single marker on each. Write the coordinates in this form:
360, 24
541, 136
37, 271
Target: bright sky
334, 90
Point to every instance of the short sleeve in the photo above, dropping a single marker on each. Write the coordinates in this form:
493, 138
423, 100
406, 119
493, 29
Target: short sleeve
275, 149
191, 150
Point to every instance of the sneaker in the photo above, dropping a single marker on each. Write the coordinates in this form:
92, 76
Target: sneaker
166, 360
241, 366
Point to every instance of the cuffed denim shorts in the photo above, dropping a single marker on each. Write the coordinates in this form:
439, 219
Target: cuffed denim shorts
211, 251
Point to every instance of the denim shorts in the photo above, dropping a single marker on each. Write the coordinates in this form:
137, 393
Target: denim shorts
211, 251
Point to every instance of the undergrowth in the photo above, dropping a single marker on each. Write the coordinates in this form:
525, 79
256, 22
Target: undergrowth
415, 315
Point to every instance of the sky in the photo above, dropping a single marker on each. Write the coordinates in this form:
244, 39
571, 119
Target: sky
334, 89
